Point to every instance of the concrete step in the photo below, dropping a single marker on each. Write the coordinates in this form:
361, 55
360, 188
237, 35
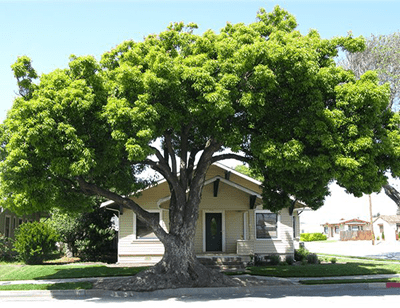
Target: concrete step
223, 263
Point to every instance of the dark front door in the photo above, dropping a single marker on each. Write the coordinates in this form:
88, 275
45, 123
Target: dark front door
213, 232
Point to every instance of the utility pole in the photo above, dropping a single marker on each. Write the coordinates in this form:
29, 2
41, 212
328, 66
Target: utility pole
372, 226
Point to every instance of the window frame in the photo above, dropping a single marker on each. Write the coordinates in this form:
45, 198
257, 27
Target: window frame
135, 237
278, 220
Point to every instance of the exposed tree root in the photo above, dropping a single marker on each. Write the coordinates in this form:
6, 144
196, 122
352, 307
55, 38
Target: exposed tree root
158, 277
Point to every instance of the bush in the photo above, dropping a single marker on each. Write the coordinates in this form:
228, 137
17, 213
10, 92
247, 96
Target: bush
312, 258
301, 254
89, 236
273, 259
289, 260
310, 237
34, 242
6, 253
333, 260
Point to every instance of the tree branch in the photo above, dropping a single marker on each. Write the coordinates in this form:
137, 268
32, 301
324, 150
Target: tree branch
229, 156
92, 189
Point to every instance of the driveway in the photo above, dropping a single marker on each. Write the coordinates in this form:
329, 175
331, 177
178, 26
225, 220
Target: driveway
381, 249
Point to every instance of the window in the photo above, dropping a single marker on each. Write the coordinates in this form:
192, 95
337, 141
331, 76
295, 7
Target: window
7, 227
266, 225
144, 232
337, 229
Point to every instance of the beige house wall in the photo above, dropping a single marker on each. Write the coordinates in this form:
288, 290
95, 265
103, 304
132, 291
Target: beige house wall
238, 226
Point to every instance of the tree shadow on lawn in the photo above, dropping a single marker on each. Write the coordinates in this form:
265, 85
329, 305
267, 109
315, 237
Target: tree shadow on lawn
327, 270
85, 271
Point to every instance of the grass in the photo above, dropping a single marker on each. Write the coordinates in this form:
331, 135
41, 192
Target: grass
341, 281
350, 268
345, 267
36, 272
48, 286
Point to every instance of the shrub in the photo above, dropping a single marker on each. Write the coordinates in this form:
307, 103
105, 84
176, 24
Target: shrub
333, 260
34, 242
310, 237
289, 260
312, 258
273, 259
301, 254
6, 253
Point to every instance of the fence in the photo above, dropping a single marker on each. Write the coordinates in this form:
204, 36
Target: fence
356, 235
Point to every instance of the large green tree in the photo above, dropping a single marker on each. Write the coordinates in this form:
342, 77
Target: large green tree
173, 102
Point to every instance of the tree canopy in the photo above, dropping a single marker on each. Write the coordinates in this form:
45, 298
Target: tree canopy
263, 89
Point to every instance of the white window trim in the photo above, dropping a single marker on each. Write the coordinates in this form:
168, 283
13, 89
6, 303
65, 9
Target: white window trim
204, 228
161, 221
278, 226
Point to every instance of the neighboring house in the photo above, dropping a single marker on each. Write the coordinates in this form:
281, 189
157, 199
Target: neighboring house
10, 221
231, 221
387, 227
332, 230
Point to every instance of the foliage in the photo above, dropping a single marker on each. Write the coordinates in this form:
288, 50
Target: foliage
382, 54
6, 253
89, 236
249, 172
273, 259
310, 237
333, 260
301, 254
312, 258
289, 260
264, 89
34, 242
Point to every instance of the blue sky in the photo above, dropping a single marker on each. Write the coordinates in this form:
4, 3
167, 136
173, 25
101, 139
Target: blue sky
50, 31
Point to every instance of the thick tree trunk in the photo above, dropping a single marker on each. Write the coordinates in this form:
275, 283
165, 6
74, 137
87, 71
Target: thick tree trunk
179, 268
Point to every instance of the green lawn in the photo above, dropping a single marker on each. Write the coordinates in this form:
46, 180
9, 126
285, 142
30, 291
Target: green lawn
48, 286
350, 268
344, 267
35, 272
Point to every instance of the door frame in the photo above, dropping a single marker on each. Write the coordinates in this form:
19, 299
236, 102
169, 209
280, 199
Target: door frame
222, 229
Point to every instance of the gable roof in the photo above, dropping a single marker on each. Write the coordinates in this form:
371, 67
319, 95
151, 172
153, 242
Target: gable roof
251, 192
354, 221
392, 219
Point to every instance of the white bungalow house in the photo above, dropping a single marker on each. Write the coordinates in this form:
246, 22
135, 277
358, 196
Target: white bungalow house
387, 227
333, 229
232, 221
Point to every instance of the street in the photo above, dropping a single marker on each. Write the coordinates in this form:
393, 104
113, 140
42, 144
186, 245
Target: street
328, 296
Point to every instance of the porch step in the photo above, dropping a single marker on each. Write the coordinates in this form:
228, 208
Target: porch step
223, 263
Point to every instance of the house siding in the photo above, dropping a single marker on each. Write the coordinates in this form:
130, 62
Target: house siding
238, 226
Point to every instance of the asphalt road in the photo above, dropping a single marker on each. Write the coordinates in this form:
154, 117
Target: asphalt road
325, 296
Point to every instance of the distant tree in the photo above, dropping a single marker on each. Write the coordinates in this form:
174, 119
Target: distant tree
382, 54
173, 103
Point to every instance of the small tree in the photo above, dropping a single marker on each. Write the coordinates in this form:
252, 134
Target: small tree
34, 242
87, 235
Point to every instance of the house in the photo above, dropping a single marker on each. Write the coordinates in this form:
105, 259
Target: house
332, 230
10, 221
387, 227
231, 221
